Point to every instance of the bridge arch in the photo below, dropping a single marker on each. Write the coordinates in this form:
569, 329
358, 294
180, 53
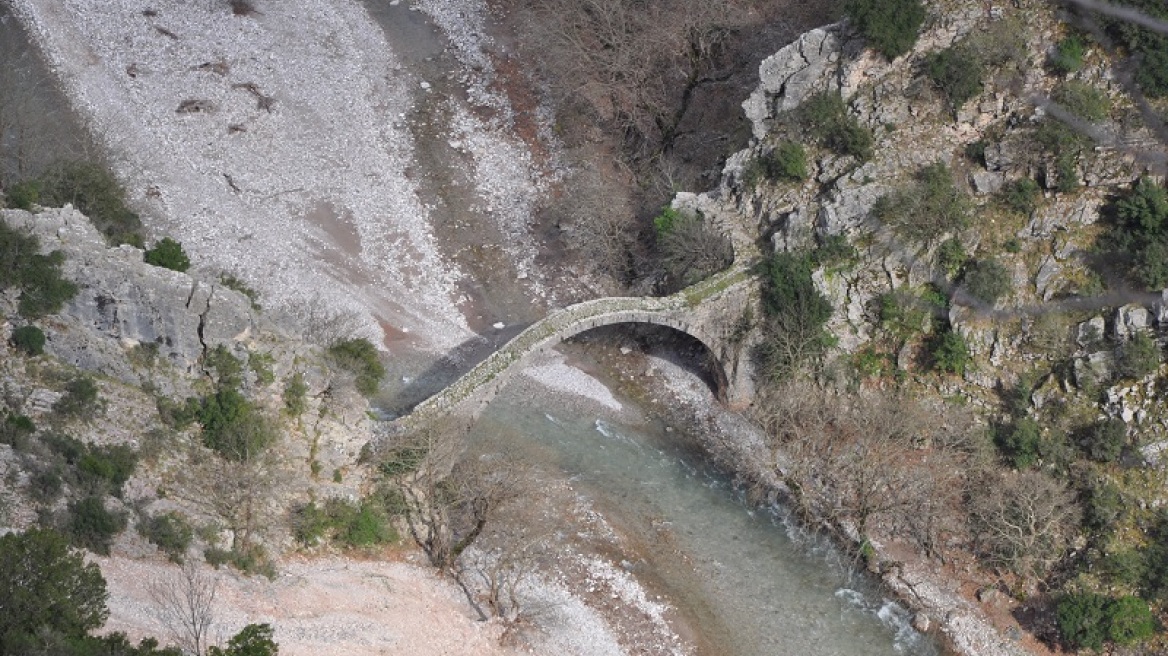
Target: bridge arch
718, 368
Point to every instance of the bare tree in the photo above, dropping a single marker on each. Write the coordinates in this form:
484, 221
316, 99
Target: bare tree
692, 249
867, 462
1023, 521
322, 322
185, 603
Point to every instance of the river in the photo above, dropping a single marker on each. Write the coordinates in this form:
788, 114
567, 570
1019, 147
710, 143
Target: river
747, 579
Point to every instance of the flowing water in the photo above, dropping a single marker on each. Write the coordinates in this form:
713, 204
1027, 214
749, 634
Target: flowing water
746, 579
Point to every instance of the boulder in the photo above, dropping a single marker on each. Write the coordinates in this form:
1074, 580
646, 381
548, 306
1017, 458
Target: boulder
987, 182
1161, 308
1094, 369
787, 77
1090, 331
1131, 319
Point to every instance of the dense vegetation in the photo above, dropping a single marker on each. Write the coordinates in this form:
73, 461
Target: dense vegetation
891, 26
38, 277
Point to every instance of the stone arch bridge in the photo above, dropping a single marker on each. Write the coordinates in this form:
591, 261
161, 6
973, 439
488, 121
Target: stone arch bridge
715, 311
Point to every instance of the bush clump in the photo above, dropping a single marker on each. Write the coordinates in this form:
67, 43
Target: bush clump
43, 289
890, 26
957, 73
233, 427
354, 525
1019, 442
168, 254
1139, 356
928, 208
29, 339
359, 357
987, 281
295, 392
1104, 440
1020, 196
170, 532
1068, 54
825, 118
80, 400
15, 431
91, 526
950, 354
1088, 620
1139, 232
796, 315
951, 257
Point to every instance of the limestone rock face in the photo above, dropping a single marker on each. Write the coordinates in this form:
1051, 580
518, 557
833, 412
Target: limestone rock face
123, 302
789, 75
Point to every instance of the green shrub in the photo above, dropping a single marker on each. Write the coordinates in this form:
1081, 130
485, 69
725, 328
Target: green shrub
987, 281
1066, 167
1139, 232
1020, 196
295, 391
108, 466
15, 431
360, 358
927, 209
975, 152
1130, 621
957, 73
253, 639
951, 257
1068, 54
170, 532
1082, 620
29, 339
950, 354
233, 427
45, 485
228, 368
663, 223
178, 415
310, 524
23, 195
168, 254
1146, 48
902, 314
43, 290
80, 400
1139, 356
367, 527
94, 191
788, 161
825, 117
890, 26
796, 314
1104, 441
1103, 507
91, 526
1019, 442
1088, 620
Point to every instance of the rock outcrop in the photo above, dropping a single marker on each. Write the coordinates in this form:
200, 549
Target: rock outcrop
124, 303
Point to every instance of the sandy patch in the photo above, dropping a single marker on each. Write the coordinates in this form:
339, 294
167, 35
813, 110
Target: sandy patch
320, 607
